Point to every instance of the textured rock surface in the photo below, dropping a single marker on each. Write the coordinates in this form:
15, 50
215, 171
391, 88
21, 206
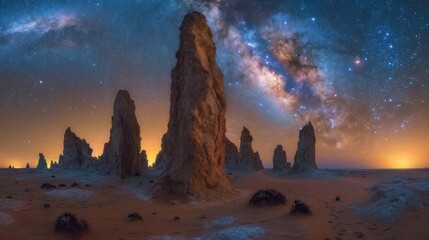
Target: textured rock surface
231, 155
163, 158
196, 128
247, 158
144, 162
77, 154
122, 154
305, 156
280, 160
42, 165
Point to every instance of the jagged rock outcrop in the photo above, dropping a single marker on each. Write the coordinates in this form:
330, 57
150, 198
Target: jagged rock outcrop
231, 155
122, 154
27, 166
77, 154
247, 158
163, 158
305, 156
54, 165
280, 162
196, 128
42, 165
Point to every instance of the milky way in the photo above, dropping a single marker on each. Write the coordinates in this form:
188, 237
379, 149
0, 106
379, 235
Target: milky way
358, 70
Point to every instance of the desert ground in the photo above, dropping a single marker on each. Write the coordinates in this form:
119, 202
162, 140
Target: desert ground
373, 204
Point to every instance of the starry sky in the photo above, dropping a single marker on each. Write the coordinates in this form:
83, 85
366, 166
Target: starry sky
358, 69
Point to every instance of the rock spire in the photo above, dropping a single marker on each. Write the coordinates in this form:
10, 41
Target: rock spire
77, 154
280, 162
305, 156
196, 128
42, 165
122, 155
247, 158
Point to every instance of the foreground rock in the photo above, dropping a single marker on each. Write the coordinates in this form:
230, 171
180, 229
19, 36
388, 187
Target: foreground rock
299, 207
68, 224
268, 197
134, 217
77, 154
280, 162
42, 165
196, 128
231, 155
122, 155
247, 158
305, 156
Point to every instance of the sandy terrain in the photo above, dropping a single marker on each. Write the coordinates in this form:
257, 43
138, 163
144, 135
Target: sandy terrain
397, 208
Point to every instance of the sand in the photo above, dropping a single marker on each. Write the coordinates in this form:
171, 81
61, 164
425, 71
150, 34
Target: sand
374, 204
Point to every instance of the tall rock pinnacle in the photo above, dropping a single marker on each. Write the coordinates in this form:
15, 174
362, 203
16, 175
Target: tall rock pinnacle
247, 158
77, 154
42, 165
305, 156
122, 154
196, 128
280, 162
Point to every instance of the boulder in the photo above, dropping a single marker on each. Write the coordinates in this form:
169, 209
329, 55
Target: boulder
247, 158
305, 156
196, 127
280, 162
122, 155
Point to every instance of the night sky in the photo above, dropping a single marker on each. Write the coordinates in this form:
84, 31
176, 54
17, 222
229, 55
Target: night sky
359, 70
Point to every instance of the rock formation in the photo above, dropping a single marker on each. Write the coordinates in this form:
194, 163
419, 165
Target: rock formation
196, 128
305, 156
27, 166
122, 154
54, 165
231, 155
77, 154
163, 158
42, 165
144, 162
247, 158
280, 160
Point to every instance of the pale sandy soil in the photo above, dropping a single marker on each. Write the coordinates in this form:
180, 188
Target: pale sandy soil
395, 213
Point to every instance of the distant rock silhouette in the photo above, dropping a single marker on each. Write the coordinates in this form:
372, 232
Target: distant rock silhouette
196, 128
163, 158
231, 155
280, 160
77, 154
54, 165
42, 165
27, 166
122, 155
305, 156
247, 158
